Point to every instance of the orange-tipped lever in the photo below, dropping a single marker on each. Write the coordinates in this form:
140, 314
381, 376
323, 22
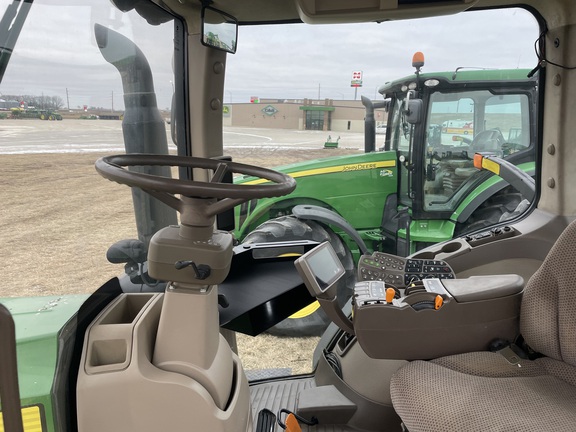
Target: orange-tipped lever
292, 424
438, 302
390, 293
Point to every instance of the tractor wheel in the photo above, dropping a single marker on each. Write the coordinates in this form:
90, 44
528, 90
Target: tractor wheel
42, 116
310, 321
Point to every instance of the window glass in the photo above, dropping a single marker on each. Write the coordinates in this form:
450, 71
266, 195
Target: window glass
462, 124
63, 105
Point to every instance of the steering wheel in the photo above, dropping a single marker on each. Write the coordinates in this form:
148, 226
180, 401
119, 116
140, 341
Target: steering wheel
164, 188
487, 140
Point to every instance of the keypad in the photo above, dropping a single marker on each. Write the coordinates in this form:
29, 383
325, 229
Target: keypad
399, 271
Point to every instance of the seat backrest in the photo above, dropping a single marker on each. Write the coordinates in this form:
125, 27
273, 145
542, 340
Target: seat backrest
548, 315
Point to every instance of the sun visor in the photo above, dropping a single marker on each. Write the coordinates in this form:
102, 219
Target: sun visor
334, 11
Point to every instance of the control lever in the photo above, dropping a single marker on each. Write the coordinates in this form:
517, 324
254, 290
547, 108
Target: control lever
202, 271
133, 253
390, 294
125, 251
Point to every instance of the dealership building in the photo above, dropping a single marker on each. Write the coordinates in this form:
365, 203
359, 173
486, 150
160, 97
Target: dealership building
300, 114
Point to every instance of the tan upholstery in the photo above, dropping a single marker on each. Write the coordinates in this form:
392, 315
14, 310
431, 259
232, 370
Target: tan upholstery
482, 391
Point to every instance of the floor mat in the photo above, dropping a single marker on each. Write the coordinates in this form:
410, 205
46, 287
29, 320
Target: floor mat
282, 394
259, 374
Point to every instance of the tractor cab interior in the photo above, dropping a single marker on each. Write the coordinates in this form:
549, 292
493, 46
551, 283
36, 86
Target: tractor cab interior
472, 334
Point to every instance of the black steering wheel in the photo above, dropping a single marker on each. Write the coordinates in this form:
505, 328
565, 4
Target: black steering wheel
487, 140
273, 183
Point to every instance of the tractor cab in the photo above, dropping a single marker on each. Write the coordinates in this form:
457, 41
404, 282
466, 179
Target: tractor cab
436, 123
175, 342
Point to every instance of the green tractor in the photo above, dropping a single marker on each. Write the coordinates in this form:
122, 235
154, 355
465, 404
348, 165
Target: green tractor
42, 114
417, 188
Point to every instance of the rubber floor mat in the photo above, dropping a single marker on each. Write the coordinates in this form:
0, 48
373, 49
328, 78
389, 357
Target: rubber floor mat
275, 395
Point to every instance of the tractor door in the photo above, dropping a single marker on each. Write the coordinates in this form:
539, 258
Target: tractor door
445, 184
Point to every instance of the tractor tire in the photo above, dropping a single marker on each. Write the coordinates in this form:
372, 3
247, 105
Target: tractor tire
311, 321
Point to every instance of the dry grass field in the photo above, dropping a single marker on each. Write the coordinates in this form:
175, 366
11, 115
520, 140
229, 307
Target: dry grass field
59, 217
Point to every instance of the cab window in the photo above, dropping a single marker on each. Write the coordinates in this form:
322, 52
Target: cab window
460, 125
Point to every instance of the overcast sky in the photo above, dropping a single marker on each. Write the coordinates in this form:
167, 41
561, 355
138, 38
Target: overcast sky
303, 61
286, 62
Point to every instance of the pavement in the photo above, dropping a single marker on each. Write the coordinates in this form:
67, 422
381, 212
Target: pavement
80, 136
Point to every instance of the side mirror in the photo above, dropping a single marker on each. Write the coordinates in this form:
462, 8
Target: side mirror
219, 30
414, 110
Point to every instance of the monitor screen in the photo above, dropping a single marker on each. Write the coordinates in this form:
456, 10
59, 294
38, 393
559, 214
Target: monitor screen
320, 267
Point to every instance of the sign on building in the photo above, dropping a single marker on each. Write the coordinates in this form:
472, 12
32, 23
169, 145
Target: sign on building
269, 110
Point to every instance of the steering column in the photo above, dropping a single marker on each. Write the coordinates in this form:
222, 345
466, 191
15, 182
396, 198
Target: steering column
195, 259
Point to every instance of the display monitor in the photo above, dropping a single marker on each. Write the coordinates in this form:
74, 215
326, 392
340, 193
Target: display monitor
320, 268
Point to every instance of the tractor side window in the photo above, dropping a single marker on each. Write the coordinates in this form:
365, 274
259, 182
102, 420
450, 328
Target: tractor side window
462, 124
85, 80
450, 120
507, 114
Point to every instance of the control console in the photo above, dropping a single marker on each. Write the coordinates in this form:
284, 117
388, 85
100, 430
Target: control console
497, 233
401, 272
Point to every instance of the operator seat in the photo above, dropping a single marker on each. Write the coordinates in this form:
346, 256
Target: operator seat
483, 391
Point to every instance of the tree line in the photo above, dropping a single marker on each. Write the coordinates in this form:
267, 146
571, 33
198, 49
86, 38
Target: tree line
40, 102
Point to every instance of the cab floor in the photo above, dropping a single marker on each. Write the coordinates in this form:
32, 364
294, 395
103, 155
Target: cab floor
281, 394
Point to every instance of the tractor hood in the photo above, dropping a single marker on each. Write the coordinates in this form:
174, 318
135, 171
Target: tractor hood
358, 162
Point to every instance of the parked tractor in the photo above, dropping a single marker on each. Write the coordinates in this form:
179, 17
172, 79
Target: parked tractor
42, 114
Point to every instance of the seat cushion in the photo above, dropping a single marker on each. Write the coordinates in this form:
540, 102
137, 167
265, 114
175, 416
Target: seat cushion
484, 392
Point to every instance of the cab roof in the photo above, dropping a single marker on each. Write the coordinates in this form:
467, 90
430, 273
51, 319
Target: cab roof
502, 76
